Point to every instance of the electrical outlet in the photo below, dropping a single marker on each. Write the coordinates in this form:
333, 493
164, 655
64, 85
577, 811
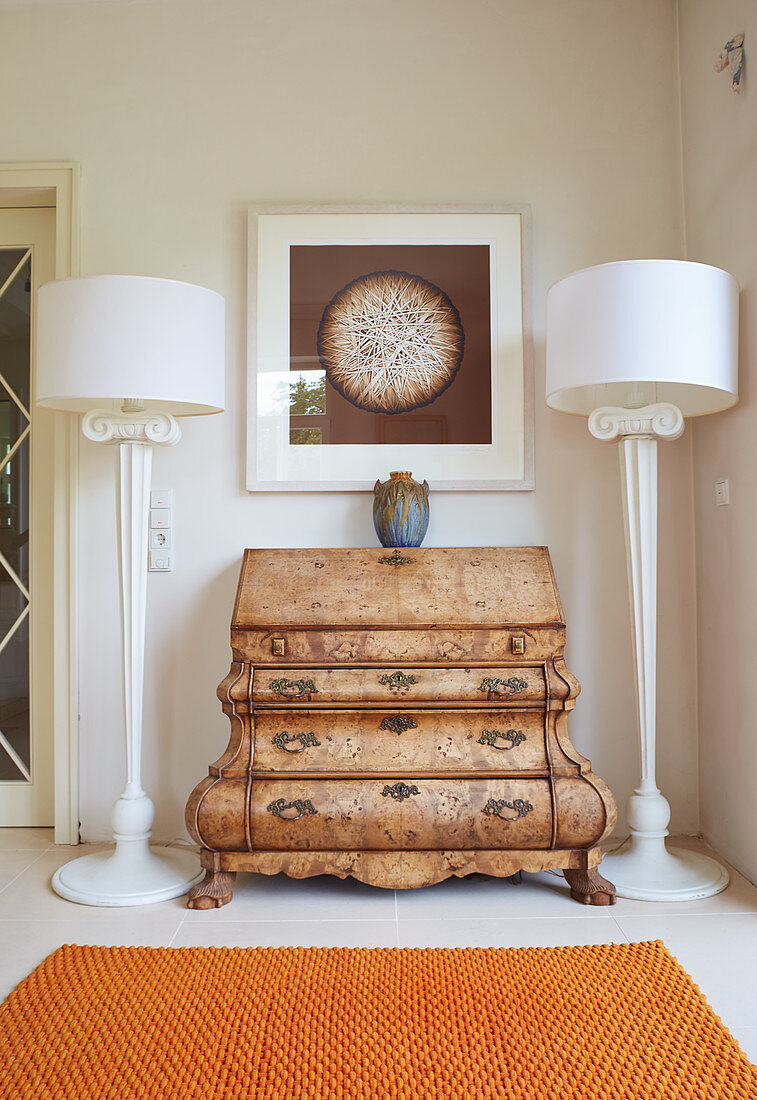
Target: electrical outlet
722, 491
160, 539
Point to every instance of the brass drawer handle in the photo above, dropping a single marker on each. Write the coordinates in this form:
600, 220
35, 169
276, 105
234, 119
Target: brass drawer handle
399, 681
302, 806
489, 737
400, 791
395, 559
293, 689
399, 723
281, 740
514, 685
495, 806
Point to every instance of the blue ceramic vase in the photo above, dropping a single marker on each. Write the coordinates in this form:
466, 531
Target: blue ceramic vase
400, 510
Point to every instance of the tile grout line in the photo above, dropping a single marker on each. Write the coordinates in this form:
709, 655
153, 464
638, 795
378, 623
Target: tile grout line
177, 929
15, 851
200, 923
667, 915
361, 920
617, 925
284, 921
23, 870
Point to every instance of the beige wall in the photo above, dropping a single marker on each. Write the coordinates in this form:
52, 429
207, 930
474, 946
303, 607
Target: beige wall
720, 172
181, 114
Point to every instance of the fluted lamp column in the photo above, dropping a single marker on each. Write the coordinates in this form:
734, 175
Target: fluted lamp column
132, 354
637, 346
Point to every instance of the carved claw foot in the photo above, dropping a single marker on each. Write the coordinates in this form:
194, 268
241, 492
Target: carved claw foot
589, 887
214, 891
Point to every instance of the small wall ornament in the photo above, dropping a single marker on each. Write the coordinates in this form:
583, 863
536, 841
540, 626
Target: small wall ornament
731, 57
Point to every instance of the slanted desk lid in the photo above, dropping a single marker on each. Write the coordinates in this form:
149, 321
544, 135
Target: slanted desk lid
487, 586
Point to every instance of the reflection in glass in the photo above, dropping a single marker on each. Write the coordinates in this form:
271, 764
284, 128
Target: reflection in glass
14, 502
14, 684
15, 379
295, 392
307, 407
305, 436
10, 258
300, 397
15, 330
307, 393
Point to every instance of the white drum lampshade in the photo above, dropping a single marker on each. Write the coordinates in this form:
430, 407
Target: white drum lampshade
637, 346
106, 338
639, 332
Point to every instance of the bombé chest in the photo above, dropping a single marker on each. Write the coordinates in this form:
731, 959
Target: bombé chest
398, 716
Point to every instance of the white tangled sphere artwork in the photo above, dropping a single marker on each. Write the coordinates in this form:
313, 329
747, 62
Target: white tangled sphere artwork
390, 341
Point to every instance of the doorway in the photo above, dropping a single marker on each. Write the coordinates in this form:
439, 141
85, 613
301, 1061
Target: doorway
32, 197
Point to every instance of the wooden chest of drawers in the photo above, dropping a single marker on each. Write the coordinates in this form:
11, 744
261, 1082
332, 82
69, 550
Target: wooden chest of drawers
399, 717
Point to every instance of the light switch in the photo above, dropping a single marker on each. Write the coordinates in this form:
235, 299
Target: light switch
160, 498
722, 491
160, 517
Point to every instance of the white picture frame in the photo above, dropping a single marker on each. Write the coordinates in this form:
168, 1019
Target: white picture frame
275, 464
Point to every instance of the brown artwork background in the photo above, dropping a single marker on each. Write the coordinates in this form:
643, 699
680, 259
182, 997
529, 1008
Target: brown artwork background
462, 413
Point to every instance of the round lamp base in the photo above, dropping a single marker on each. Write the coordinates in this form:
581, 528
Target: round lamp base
128, 876
649, 871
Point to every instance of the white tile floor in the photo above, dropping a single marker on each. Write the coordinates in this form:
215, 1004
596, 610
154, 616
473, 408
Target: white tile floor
715, 939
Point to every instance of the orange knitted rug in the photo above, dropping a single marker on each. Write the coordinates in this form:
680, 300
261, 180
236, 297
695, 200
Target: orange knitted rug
137, 1022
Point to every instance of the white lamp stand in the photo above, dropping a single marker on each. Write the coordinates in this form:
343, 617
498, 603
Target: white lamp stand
636, 346
648, 871
162, 343
133, 874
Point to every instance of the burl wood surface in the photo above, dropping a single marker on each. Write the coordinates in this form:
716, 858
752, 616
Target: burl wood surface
391, 870
435, 814
235, 815
381, 645
377, 711
350, 686
475, 586
399, 740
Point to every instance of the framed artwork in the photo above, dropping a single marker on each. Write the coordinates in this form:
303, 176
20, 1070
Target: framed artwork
391, 338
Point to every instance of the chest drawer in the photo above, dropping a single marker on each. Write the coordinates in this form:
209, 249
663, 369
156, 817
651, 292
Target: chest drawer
399, 740
414, 814
372, 686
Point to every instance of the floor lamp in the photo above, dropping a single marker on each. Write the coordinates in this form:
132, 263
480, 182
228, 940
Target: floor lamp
132, 354
636, 346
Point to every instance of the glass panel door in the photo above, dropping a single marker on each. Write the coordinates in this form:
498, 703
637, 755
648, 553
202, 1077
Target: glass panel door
27, 257
15, 428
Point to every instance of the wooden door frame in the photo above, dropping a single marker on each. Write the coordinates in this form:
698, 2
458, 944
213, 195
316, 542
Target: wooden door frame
57, 185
